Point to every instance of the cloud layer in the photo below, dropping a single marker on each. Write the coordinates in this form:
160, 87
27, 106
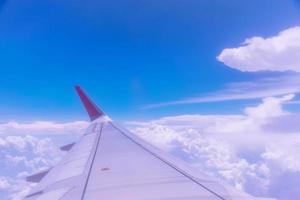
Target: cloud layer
256, 151
256, 89
43, 127
21, 156
27, 148
277, 53
240, 149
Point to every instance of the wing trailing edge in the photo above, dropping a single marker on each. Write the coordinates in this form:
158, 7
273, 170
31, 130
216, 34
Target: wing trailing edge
92, 109
67, 147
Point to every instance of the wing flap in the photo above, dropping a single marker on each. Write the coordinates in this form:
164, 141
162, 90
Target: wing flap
67, 147
35, 178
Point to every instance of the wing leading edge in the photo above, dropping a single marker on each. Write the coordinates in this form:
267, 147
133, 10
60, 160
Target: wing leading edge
110, 163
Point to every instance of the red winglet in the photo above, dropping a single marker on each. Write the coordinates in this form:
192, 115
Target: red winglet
91, 108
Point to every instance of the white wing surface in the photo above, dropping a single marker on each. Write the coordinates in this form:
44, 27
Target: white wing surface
110, 163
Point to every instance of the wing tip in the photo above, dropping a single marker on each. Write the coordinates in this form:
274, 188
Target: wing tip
92, 109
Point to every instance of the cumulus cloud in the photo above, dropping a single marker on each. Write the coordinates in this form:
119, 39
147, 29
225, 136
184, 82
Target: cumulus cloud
239, 149
27, 148
277, 53
21, 156
242, 150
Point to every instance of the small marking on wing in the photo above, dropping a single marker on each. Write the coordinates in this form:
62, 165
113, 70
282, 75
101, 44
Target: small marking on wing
105, 169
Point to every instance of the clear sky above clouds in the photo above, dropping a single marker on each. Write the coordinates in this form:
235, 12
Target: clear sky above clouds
126, 54
214, 82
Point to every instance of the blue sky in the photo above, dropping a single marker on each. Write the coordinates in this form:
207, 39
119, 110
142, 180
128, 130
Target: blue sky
126, 54
213, 82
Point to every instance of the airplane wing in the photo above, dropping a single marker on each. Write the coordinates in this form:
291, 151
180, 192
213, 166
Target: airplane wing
110, 163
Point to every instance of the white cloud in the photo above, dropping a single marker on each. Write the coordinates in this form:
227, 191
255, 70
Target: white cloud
21, 156
255, 117
271, 107
240, 149
257, 89
43, 127
236, 148
4, 184
277, 53
22, 153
